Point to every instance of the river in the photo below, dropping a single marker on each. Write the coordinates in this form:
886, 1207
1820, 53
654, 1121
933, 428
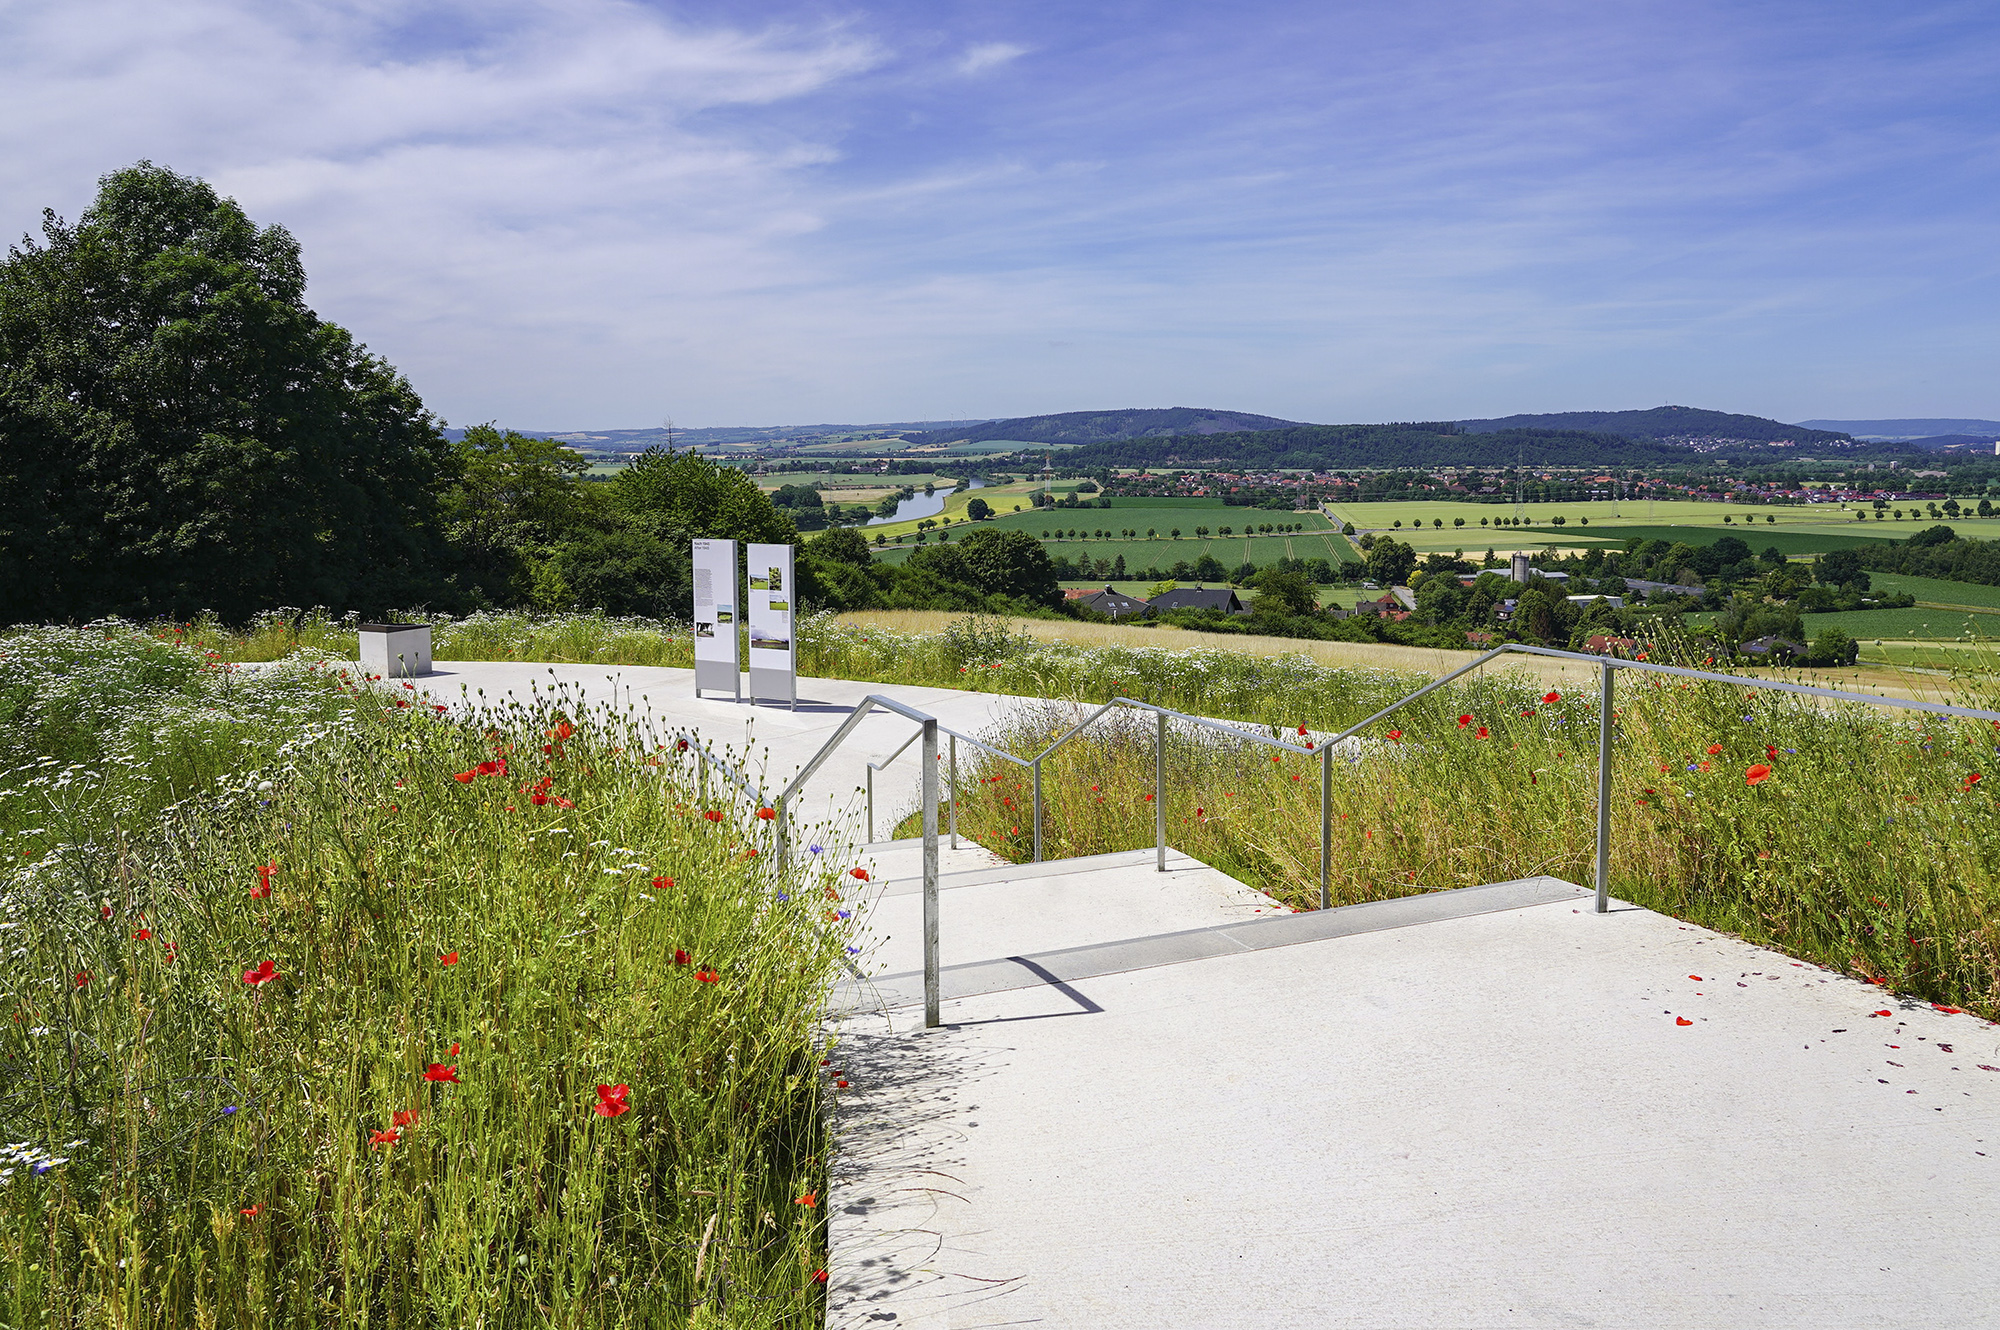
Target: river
923, 505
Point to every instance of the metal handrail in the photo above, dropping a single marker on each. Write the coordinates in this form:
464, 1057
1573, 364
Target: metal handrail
930, 730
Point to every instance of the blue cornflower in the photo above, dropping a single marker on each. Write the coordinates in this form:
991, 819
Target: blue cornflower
783, 897
1691, 766
227, 1111
854, 951
840, 914
815, 849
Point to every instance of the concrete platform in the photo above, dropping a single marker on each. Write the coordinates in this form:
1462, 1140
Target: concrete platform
1494, 1120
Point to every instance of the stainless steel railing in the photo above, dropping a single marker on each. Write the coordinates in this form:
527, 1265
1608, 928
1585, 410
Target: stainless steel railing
929, 730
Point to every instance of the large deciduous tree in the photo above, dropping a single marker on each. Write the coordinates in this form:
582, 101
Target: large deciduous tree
180, 432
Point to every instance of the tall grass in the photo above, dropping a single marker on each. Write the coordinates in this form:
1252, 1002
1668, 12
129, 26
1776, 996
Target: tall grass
1872, 846
401, 1126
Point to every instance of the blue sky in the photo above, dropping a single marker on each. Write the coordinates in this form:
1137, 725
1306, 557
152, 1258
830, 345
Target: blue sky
594, 213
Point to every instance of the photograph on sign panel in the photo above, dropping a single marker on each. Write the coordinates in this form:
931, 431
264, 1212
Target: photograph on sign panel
758, 643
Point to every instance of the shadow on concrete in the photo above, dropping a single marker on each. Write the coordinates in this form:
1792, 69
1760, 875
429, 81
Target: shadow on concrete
1085, 1006
903, 1139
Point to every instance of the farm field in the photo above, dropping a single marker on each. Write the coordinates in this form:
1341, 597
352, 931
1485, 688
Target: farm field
1319, 539
1915, 623
1937, 591
1795, 530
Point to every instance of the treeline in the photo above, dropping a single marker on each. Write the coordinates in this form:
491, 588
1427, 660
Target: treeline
1938, 551
1424, 444
180, 434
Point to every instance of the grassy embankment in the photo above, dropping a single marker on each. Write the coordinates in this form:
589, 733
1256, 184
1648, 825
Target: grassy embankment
401, 1125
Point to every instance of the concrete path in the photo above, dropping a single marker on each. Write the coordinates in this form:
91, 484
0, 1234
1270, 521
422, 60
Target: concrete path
1493, 1120
1160, 1100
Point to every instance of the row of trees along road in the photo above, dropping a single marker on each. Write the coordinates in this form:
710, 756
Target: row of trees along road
180, 432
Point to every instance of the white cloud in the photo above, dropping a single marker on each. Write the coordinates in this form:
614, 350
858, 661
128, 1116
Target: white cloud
500, 202
989, 55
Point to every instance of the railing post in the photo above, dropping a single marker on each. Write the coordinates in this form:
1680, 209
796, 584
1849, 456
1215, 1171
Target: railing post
1325, 828
954, 791
930, 874
1604, 791
1038, 809
871, 803
1160, 794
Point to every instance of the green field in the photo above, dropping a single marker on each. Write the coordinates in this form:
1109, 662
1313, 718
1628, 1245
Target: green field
1319, 539
1937, 591
1804, 530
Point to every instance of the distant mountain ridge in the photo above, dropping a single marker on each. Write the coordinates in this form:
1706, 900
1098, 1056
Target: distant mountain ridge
1414, 444
1088, 427
1908, 430
1665, 422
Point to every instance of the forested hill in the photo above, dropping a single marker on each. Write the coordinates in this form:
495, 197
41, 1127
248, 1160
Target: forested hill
1087, 427
1330, 447
1662, 422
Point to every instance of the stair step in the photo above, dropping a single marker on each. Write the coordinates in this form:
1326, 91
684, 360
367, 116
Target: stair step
1070, 964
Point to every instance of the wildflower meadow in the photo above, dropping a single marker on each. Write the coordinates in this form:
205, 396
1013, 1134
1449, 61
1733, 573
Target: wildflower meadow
324, 1008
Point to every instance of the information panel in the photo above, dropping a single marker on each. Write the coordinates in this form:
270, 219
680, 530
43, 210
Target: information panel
717, 615
774, 670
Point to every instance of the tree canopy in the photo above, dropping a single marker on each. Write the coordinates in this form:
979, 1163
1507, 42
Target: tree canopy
180, 432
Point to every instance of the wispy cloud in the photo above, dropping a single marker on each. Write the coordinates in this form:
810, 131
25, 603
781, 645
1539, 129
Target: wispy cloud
989, 55
598, 212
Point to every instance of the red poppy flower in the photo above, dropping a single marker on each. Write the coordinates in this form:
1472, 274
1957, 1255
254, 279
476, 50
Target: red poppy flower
463, 777
681, 746
1147, 799
819, 1276
861, 873
385, 1138
453, 1051
681, 957
809, 1200
1757, 775
253, 1211
841, 1084
438, 1071
260, 891
263, 974
563, 803
1970, 781
1771, 752
1682, 1020
1395, 736
1464, 721
1713, 749
611, 1100
561, 731
713, 815
142, 935
404, 1117
663, 884
707, 976
449, 958
766, 814
1482, 732
498, 768
82, 978
1302, 731
1552, 697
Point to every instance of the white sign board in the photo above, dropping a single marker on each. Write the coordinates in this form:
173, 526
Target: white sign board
774, 658
718, 613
